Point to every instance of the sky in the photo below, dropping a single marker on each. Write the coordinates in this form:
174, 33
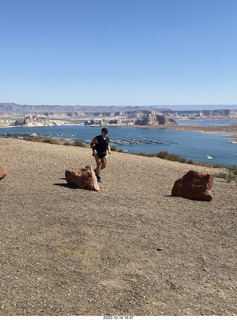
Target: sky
118, 52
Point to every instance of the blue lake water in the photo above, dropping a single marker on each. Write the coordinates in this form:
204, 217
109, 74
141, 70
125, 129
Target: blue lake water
207, 123
188, 144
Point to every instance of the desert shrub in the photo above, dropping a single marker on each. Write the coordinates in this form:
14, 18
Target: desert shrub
214, 165
50, 140
229, 176
162, 154
233, 169
221, 175
172, 157
39, 138
143, 154
113, 148
79, 143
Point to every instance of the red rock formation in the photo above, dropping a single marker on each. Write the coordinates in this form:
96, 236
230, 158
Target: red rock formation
3, 173
84, 178
194, 185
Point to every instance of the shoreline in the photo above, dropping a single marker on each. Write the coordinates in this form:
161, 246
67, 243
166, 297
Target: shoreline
231, 128
66, 141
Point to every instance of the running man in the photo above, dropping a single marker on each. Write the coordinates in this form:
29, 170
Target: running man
100, 145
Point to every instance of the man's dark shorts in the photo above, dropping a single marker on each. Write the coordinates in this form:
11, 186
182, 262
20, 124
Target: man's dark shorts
101, 155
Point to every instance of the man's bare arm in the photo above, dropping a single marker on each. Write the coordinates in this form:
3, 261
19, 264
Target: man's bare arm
109, 150
93, 142
92, 145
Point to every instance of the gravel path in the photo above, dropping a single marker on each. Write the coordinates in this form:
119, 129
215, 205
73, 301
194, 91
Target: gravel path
129, 249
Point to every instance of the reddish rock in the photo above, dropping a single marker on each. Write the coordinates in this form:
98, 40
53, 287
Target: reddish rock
84, 178
194, 185
3, 173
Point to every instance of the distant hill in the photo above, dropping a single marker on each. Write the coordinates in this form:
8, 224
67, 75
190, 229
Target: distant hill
123, 115
18, 108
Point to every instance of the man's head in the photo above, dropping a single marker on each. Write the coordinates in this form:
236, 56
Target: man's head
104, 132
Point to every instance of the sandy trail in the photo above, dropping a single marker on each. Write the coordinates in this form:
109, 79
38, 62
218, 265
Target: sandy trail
129, 249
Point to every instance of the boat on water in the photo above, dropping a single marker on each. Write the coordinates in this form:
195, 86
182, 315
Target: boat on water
209, 157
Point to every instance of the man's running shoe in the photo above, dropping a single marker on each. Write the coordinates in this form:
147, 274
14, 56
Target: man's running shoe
98, 179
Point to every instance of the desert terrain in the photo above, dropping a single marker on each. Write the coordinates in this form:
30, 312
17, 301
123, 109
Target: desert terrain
129, 249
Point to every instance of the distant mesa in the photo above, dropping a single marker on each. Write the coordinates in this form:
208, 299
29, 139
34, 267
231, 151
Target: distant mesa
153, 119
33, 121
145, 118
12, 114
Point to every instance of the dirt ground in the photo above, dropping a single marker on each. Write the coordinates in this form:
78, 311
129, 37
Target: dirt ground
129, 249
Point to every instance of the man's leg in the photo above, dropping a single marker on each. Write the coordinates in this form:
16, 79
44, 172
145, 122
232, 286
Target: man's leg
104, 163
98, 165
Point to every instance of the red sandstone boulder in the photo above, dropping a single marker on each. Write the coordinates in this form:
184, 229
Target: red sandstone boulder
194, 185
84, 178
3, 173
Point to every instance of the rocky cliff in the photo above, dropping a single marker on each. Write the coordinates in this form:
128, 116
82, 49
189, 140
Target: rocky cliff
202, 114
33, 121
47, 115
153, 119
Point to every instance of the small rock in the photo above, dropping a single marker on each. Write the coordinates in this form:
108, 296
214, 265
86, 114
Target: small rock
3, 173
194, 185
84, 178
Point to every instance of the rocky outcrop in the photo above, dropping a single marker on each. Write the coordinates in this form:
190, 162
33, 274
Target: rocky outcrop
105, 122
84, 178
194, 185
34, 121
216, 114
153, 119
89, 122
3, 173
